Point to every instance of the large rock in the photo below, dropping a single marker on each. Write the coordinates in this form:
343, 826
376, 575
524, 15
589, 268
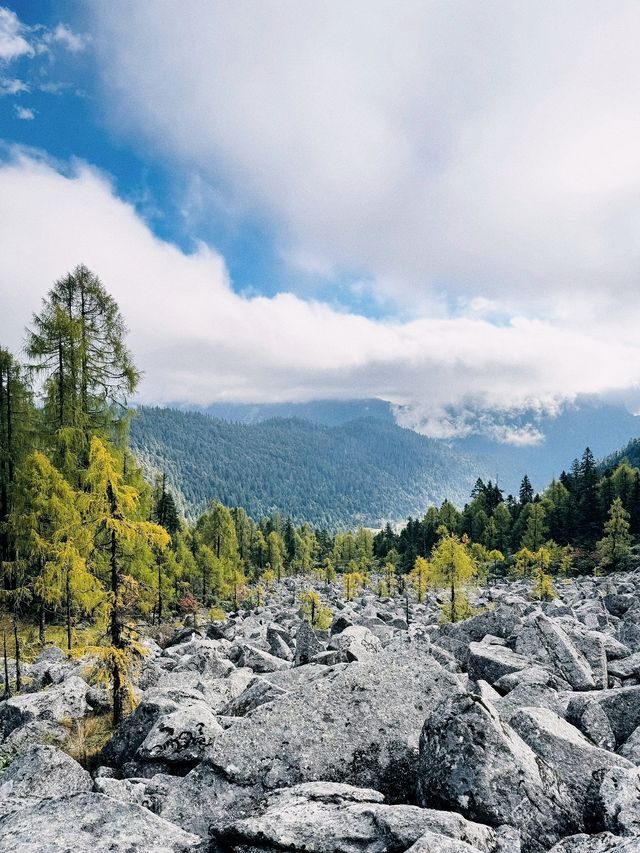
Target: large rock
605, 843
91, 822
356, 643
307, 644
359, 723
544, 639
472, 762
573, 758
614, 804
41, 771
66, 701
131, 734
44, 771
621, 706
329, 817
490, 662
182, 736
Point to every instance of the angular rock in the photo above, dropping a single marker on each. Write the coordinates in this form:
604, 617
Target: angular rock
356, 643
622, 707
307, 644
261, 661
605, 843
614, 804
628, 667
491, 662
67, 701
359, 724
91, 822
572, 757
472, 762
44, 771
182, 736
329, 817
545, 640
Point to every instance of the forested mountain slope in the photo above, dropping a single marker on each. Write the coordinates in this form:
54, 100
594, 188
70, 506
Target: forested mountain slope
366, 471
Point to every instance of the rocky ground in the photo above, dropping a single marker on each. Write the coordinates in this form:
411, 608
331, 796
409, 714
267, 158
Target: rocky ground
515, 730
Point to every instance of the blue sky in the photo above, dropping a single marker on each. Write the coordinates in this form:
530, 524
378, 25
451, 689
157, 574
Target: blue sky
70, 123
432, 203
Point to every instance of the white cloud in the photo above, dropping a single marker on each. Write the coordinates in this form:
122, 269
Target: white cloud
12, 37
197, 340
25, 113
10, 86
449, 151
64, 35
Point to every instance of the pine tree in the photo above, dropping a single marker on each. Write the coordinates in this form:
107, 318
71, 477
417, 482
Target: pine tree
122, 543
526, 491
453, 569
52, 540
615, 546
77, 343
16, 432
419, 578
535, 533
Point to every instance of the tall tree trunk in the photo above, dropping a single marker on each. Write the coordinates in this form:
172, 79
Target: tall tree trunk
68, 609
159, 564
116, 619
453, 601
17, 644
42, 624
7, 689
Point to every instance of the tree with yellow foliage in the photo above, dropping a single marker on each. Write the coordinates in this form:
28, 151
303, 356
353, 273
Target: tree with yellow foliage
122, 544
317, 613
49, 533
419, 578
351, 582
453, 569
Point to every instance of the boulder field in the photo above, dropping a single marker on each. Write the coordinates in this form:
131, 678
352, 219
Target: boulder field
514, 731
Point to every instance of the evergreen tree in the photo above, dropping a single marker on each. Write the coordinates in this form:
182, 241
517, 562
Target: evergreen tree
615, 546
526, 491
536, 530
77, 343
121, 551
16, 422
453, 569
52, 543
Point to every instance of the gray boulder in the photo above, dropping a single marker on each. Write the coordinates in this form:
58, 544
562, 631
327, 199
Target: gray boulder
543, 639
91, 822
307, 644
491, 662
359, 724
182, 736
330, 817
472, 762
573, 758
621, 706
356, 643
604, 843
614, 804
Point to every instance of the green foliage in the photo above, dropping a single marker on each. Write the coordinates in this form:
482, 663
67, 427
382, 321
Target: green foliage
299, 467
615, 546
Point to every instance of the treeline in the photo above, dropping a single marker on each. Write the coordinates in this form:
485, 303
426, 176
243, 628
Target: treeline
588, 519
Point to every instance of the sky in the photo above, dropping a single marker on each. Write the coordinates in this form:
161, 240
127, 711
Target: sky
435, 203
